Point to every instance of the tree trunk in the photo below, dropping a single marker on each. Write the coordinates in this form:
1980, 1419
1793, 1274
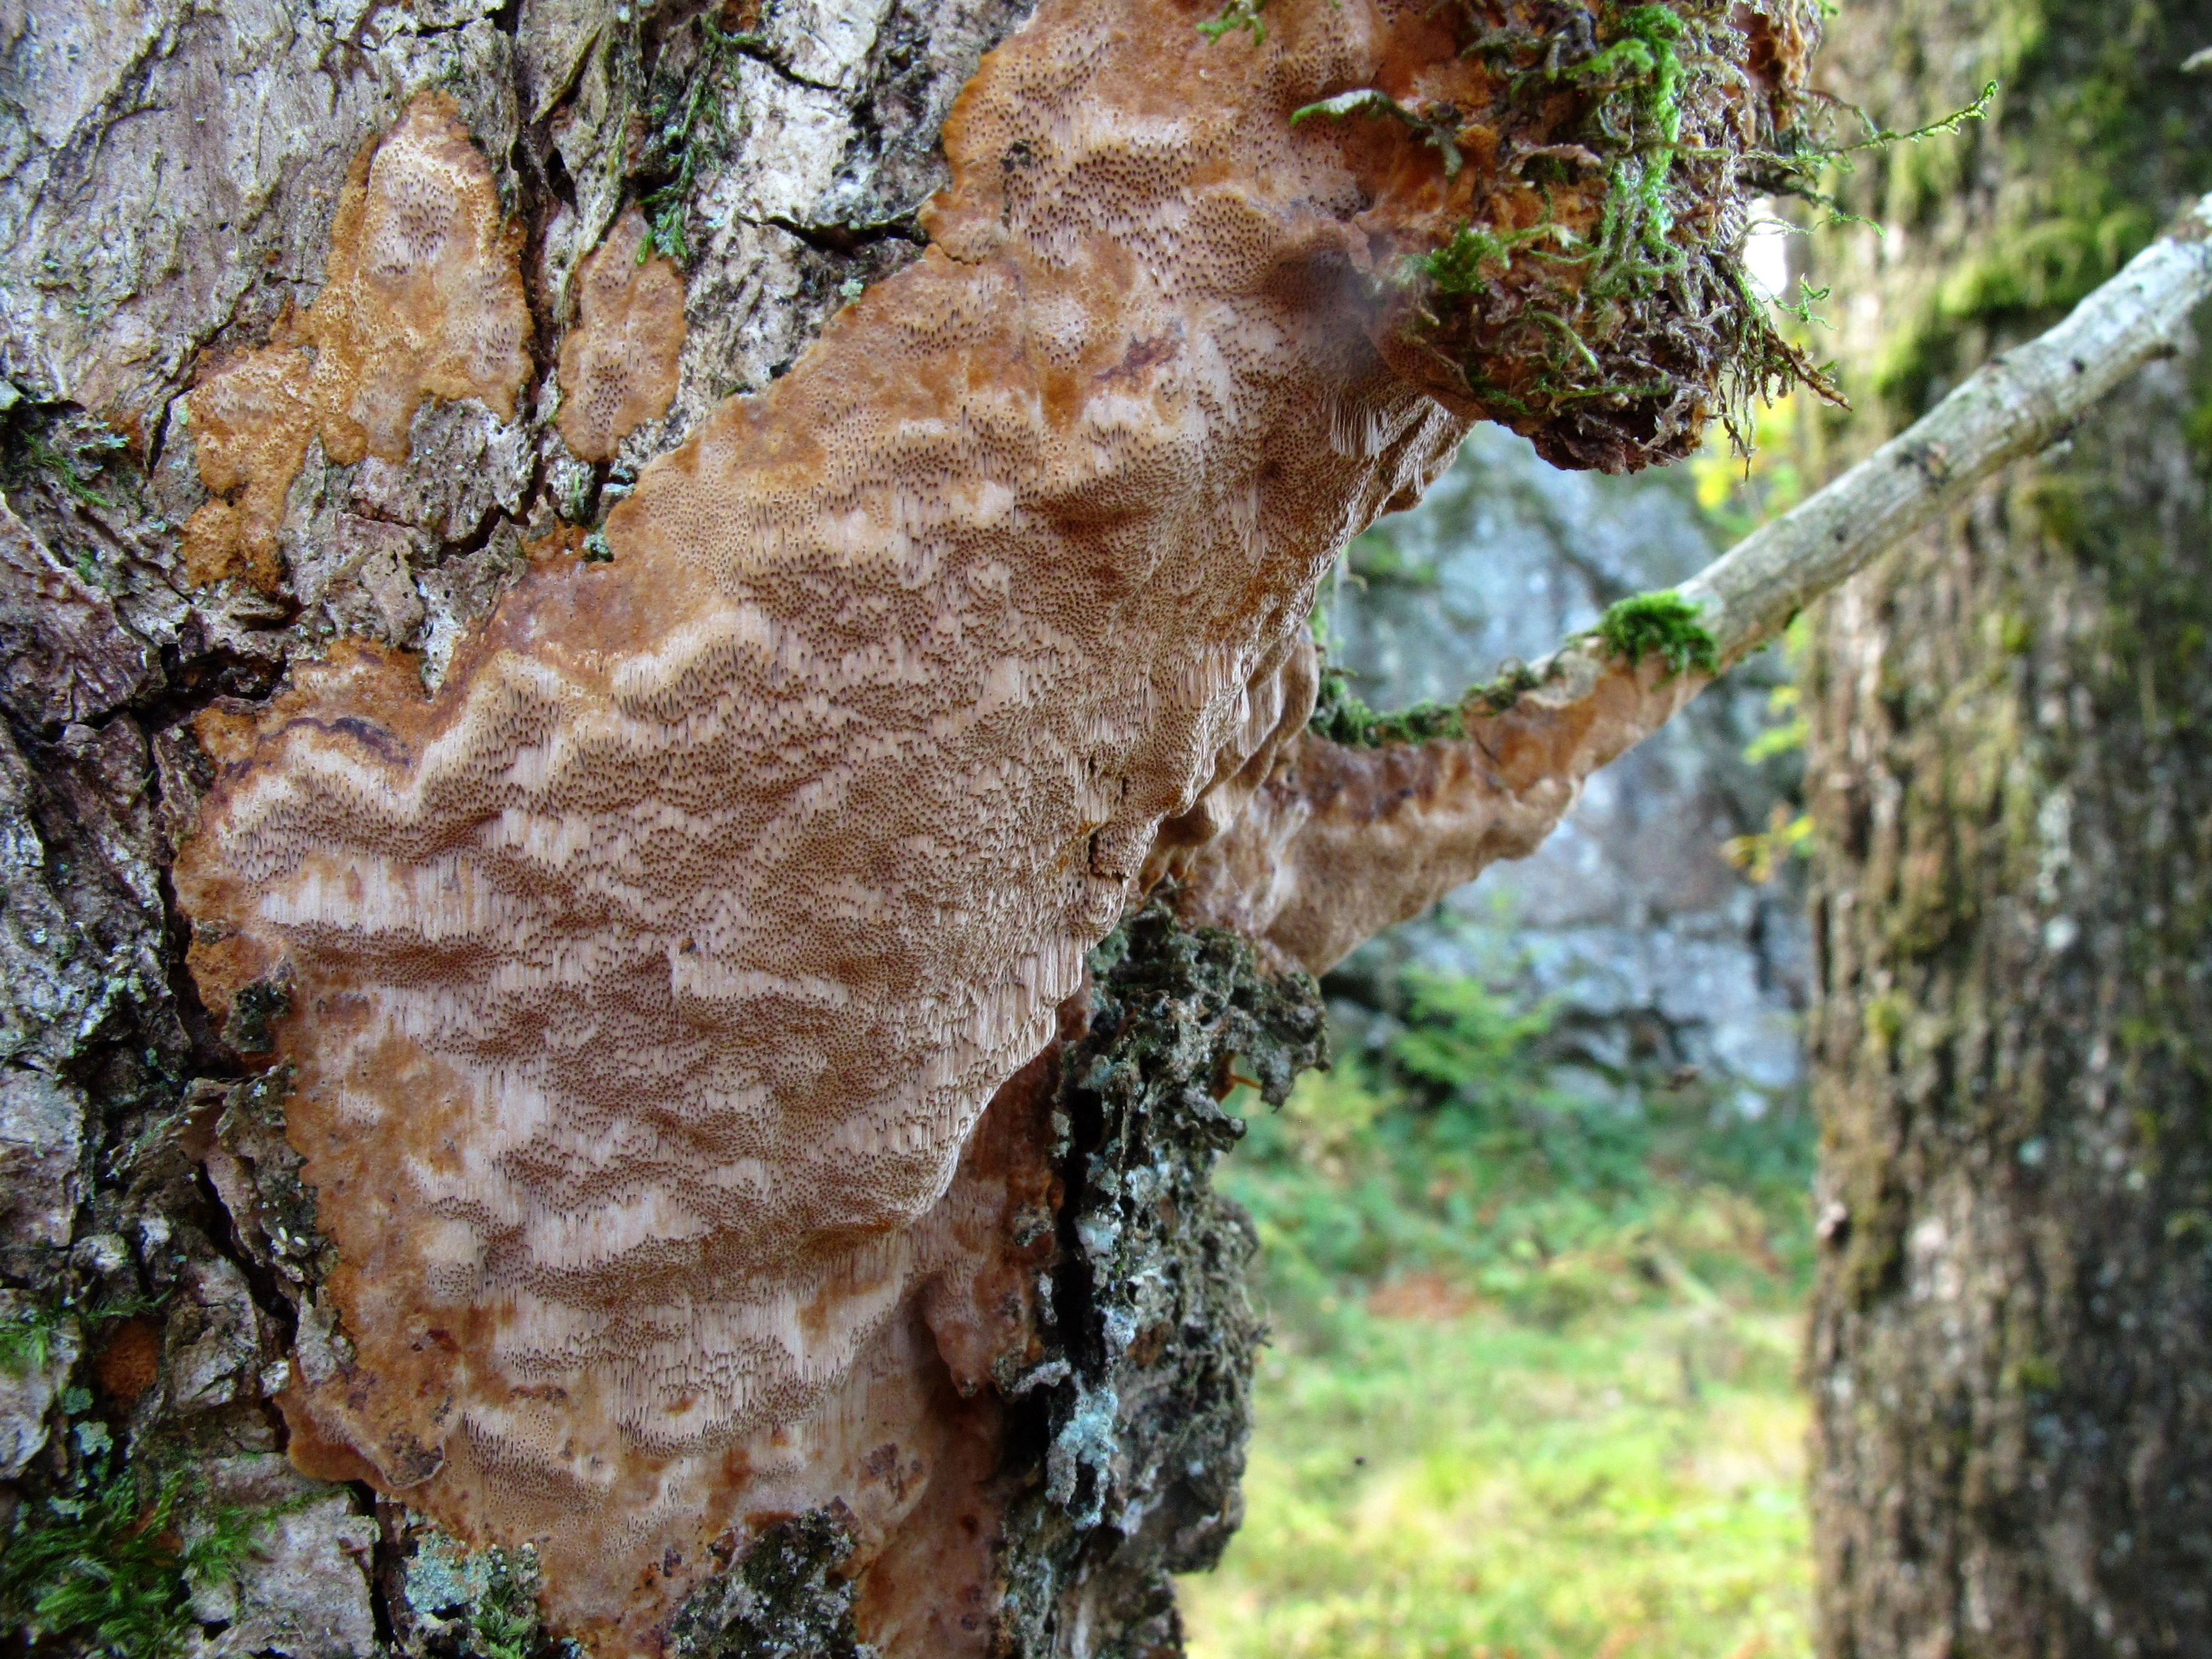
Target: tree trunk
592, 1056
2012, 782
394, 1262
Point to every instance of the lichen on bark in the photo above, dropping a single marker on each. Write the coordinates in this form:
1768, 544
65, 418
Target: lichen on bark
1134, 1453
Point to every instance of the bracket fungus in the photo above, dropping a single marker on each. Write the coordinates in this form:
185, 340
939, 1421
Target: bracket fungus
642, 989
421, 297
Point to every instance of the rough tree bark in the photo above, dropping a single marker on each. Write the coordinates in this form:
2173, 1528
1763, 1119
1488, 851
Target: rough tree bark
341, 339
2012, 782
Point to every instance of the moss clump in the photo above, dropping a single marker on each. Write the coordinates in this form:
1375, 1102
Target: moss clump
1591, 294
687, 127
2100, 133
104, 1567
1341, 717
1664, 625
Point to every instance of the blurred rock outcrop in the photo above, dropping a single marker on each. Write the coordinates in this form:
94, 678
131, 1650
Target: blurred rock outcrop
1657, 955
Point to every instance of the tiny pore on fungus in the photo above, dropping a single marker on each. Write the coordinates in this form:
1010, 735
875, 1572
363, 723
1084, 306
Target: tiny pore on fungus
619, 366
421, 297
645, 986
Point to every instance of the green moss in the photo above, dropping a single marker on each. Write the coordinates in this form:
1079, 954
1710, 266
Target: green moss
1503, 690
1234, 15
27, 1340
1474, 258
1440, 134
689, 126
1664, 625
485, 1601
1885, 1017
2033, 1374
2098, 137
68, 446
1340, 716
104, 1568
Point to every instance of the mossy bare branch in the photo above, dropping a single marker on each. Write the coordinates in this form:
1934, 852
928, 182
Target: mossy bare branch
1662, 625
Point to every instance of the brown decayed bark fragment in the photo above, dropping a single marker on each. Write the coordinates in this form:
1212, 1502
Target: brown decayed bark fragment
421, 297
645, 986
619, 366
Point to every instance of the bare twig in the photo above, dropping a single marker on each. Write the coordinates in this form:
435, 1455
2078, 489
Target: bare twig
2015, 405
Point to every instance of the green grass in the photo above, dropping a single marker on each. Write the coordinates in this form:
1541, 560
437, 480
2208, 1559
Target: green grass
1532, 1387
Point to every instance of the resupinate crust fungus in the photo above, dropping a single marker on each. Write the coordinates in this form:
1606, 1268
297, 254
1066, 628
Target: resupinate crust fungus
643, 989
421, 297
618, 367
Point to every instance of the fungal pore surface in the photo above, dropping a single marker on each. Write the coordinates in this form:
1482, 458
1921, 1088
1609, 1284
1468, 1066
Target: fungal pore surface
618, 367
643, 988
421, 297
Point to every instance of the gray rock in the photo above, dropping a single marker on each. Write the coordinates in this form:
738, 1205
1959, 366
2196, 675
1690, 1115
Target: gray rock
41, 1139
301, 1586
1628, 917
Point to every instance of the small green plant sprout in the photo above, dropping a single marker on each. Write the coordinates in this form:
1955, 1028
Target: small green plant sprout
1237, 15
1440, 131
1762, 854
1787, 739
1794, 168
26, 1341
1664, 625
71, 450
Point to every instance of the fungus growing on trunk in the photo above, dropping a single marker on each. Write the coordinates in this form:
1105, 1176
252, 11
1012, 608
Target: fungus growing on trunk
421, 297
643, 988
618, 365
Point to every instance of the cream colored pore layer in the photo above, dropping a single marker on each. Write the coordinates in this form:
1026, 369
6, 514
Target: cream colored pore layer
646, 985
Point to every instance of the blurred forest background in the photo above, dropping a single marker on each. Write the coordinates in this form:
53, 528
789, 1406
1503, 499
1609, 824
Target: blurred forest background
1536, 1251
1822, 1112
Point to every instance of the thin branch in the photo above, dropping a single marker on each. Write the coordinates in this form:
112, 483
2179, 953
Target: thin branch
2017, 405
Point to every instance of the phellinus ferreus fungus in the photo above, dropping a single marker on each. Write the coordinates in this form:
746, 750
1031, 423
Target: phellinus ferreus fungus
618, 367
644, 988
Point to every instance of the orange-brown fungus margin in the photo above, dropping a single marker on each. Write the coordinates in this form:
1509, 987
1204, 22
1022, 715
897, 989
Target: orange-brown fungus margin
646, 986
618, 365
1339, 842
421, 297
